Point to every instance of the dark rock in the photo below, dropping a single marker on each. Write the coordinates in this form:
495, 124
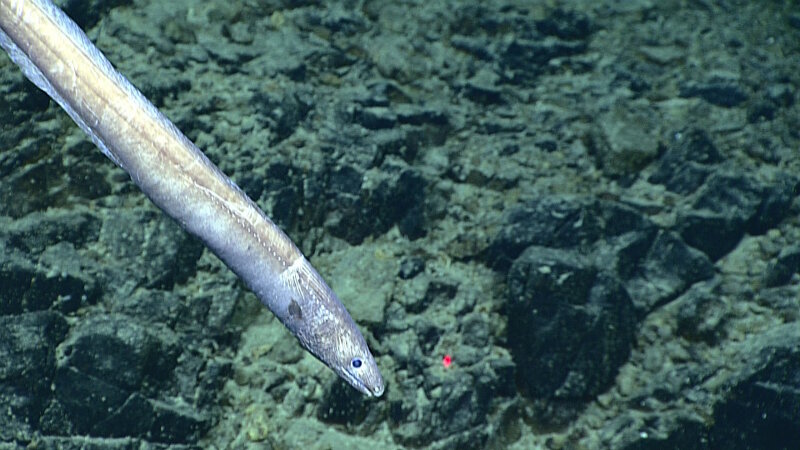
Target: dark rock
19, 101
210, 378
98, 408
776, 198
565, 25
454, 409
345, 220
342, 405
57, 278
712, 233
27, 365
729, 205
474, 328
479, 47
481, 173
728, 201
86, 13
394, 196
85, 400
48, 285
783, 301
667, 270
121, 352
375, 118
688, 433
99, 443
775, 97
561, 222
761, 110
784, 267
781, 94
686, 179
379, 93
623, 142
720, 92
345, 180
37, 231
171, 424
460, 403
469, 439
215, 312
34, 181
407, 352
623, 254
794, 20
457, 398
35, 178
763, 410
282, 114
547, 145
701, 315
436, 292
285, 353
275, 180
346, 21
410, 267
130, 236
407, 204
134, 417
163, 307
55, 420
500, 376
570, 326
428, 334
285, 206
482, 91
493, 370
27, 346
523, 60
402, 142
635, 81
421, 115
685, 165
485, 19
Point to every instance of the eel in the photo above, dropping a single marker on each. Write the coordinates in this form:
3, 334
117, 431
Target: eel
59, 58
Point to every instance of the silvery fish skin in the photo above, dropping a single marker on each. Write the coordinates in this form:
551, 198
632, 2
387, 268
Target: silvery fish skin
58, 57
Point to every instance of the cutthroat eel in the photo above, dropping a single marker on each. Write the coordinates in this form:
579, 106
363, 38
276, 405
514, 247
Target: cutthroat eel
58, 57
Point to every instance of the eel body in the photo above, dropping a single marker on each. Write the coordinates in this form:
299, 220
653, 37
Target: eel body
57, 56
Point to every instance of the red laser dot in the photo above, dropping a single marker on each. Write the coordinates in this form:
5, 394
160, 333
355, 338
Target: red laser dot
446, 361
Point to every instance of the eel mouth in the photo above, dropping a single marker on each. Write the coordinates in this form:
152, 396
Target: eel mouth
361, 386
378, 390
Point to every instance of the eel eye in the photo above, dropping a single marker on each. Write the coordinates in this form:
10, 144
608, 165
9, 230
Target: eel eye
356, 363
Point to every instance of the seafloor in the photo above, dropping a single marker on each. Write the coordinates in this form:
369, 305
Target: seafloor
591, 206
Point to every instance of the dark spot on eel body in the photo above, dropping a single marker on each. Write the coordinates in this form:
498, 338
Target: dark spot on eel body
294, 310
